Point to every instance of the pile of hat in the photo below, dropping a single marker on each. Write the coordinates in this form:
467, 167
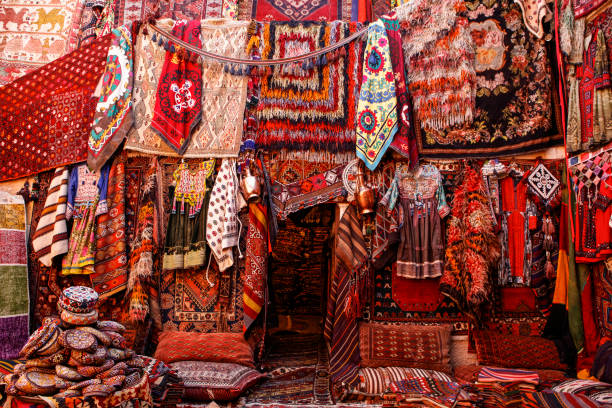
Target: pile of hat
75, 355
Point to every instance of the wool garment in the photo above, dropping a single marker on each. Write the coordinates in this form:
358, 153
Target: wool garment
377, 105
51, 236
85, 187
222, 223
113, 117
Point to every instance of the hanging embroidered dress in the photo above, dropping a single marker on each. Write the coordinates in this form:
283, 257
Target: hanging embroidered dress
186, 234
86, 199
421, 195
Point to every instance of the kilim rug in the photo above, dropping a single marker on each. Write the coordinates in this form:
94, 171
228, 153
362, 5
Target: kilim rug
513, 115
35, 33
302, 109
15, 299
45, 117
602, 281
311, 10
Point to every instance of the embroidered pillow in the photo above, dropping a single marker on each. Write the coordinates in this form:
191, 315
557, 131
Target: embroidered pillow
511, 351
212, 347
204, 381
405, 346
376, 381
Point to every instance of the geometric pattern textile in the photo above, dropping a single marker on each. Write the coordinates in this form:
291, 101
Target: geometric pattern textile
14, 296
375, 381
296, 10
45, 117
602, 281
549, 399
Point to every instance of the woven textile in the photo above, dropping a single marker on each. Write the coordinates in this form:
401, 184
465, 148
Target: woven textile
113, 118
443, 392
511, 114
471, 246
439, 62
602, 281
376, 381
516, 351
256, 269
600, 392
492, 374
584, 7
534, 12
549, 399
405, 345
46, 116
314, 108
178, 103
33, 34
51, 236
111, 262
288, 10
377, 106
15, 299
206, 381
212, 347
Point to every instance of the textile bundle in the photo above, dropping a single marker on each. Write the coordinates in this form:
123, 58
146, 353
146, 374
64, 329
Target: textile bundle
472, 247
45, 117
113, 118
51, 236
15, 299
256, 263
308, 106
344, 300
439, 61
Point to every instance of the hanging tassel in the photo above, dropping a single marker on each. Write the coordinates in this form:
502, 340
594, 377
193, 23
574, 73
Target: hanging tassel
172, 48
549, 270
323, 60
160, 41
154, 37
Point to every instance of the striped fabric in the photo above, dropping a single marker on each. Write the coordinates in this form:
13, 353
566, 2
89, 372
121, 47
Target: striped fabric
256, 263
51, 236
557, 400
341, 329
491, 374
376, 381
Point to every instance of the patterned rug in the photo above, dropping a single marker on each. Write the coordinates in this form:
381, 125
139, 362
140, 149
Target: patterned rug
287, 10
303, 109
602, 281
513, 115
15, 299
35, 33
384, 307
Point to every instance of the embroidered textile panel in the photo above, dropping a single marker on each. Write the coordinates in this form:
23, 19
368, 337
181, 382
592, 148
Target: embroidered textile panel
516, 103
296, 10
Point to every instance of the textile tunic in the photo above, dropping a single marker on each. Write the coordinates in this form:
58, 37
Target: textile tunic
421, 196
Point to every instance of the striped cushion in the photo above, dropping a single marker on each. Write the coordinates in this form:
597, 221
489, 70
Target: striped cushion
376, 381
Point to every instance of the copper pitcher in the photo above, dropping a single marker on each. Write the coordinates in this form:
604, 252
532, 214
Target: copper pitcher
251, 187
365, 195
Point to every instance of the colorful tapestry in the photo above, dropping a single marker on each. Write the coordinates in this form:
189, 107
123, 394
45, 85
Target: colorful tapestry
184, 9
46, 116
439, 62
442, 392
512, 115
15, 300
92, 10
292, 10
308, 107
602, 281
471, 246
35, 33
345, 300
256, 268
113, 118
547, 399
377, 105
584, 7
110, 268
51, 236
376, 381
307, 192
178, 105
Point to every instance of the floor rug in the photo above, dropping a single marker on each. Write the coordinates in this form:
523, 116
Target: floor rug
15, 299
513, 114
287, 10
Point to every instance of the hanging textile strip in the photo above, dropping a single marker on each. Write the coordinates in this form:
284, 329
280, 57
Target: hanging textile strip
45, 117
288, 10
110, 268
15, 299
113, 118
178, 108
256, 263
345, 300
312, 107
316, 189
377, 106
51, 236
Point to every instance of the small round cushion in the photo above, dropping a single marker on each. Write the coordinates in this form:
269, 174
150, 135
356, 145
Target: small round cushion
109, 325
92, 370
52, 345
115, 381
68, 394
78, 299
79, 340
83, 384
39, 338
84, 358
68, 373
36, 382
117, 340
79, 319
100, 335
98, 390
49, 361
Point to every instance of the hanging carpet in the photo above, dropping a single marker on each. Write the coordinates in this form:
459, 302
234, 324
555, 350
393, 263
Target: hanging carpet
517, 107
46, 116
293, 10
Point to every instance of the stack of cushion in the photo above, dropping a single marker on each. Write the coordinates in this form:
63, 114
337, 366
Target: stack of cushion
212, 366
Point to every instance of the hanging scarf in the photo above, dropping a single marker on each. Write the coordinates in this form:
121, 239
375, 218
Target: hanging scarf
113, 118
178, 106
222, 223
376, 109
404, 141
256, 263
51, 236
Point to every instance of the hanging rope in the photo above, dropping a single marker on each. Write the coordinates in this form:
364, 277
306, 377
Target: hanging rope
267, 62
